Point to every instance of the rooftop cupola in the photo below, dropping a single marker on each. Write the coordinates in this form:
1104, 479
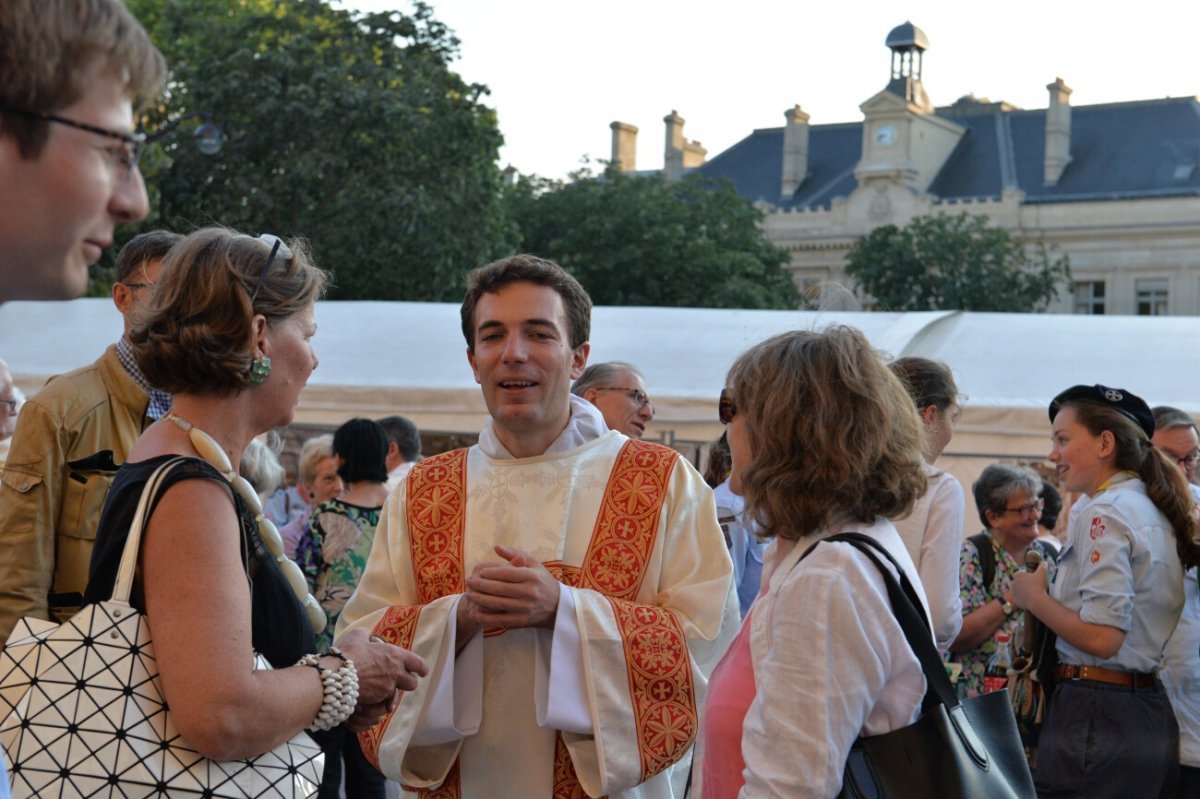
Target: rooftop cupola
908, 44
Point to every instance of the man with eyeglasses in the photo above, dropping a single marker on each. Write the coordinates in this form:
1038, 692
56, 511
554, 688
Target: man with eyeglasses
73, 70
1175, 436
619, 391
568, 586
71, 436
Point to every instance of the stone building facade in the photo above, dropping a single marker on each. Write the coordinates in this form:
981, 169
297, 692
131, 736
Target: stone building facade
1114, 186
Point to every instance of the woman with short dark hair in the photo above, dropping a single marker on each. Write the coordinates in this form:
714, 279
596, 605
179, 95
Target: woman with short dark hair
334, 554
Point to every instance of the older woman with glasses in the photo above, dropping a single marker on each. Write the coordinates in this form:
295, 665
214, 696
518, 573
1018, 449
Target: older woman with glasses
1009, 507
824, 439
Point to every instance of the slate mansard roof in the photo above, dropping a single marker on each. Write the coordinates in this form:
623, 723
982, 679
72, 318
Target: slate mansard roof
1131, 150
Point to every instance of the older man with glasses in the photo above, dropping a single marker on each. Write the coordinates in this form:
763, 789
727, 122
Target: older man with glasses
619, 391
70, 438
1175, 436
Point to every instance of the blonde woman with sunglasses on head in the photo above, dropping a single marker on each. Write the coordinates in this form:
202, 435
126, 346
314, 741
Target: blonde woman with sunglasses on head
228, 333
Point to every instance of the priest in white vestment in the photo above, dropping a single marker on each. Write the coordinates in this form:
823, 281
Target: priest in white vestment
569, 587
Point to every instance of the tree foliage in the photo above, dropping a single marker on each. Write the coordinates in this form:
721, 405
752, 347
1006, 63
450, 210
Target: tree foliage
955, 262
642, 240
347, 129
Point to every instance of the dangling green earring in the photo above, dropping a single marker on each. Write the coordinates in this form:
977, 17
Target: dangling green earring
260, 367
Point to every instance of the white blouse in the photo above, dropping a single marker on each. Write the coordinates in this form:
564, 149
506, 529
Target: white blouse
830, 663
933, 535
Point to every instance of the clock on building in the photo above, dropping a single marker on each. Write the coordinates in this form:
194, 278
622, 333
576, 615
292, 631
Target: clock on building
885, 134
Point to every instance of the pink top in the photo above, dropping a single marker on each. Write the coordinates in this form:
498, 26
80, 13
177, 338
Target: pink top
731, 691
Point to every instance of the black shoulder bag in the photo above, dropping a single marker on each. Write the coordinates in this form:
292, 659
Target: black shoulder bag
955, 750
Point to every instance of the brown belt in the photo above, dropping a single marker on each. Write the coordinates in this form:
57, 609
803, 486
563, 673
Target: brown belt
1128, 679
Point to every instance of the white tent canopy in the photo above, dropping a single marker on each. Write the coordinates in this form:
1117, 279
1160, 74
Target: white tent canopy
380, 358
409, 357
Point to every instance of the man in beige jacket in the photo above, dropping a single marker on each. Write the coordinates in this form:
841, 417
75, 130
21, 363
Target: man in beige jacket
71, 436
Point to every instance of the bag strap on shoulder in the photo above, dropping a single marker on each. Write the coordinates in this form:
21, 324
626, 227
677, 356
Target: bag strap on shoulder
910, 615
987, 558
137, 527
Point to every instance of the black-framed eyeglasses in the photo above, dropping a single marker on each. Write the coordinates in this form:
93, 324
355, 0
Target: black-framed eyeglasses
1185, 461
12, 406
127, 156
726, 407
636, 394
133, 284
1028, 509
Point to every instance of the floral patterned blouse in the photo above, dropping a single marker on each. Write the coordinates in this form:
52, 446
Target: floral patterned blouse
975, 595
333, 555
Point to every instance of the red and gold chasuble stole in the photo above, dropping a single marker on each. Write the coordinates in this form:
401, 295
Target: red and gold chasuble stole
397, 626
656, 653
660, 683
437, 517
437, 490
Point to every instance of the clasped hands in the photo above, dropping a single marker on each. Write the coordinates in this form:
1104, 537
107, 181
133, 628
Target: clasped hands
515, 592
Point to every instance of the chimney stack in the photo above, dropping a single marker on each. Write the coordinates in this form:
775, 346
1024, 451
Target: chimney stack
795, 151
624, 146
679, 153
1058, 131
673, 154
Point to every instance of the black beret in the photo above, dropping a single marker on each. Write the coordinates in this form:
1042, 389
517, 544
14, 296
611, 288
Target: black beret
1120, 400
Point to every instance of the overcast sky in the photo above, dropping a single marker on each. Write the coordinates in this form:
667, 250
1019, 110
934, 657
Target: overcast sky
561, 70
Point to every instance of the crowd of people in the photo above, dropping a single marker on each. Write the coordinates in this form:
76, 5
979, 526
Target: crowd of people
563, 608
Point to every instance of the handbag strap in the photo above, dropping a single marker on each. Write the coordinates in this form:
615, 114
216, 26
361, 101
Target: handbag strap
133, 541
910, 615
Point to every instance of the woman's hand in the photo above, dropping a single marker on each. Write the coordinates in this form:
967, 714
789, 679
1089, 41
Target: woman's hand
383, 668
1027, 586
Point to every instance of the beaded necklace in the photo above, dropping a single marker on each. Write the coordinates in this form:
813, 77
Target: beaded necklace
208, 449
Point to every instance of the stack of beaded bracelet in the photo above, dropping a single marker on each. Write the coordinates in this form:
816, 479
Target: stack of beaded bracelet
211, 451
340, 687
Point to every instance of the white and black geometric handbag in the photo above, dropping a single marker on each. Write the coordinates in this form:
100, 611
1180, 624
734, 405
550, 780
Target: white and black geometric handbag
82, 711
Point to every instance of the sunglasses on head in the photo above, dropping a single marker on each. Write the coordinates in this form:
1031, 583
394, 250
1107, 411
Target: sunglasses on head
726, 408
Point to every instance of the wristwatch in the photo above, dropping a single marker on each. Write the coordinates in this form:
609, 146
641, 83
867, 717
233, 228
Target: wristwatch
1008, 608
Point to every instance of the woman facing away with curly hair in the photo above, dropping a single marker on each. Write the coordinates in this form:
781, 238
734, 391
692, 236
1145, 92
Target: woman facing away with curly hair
824, 440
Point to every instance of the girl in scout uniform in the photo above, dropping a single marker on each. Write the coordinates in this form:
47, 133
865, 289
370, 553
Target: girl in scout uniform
1115, 600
